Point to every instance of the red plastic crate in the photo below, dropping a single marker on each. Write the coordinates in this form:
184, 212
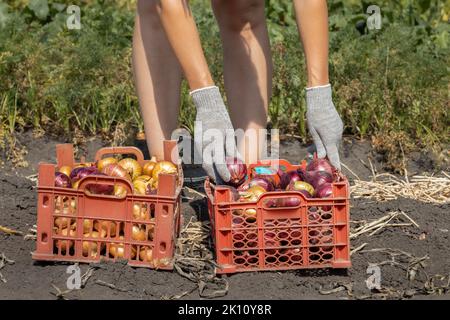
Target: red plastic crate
158, 215
255, 236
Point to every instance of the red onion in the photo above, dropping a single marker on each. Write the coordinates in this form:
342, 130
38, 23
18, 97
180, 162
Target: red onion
320, 165
62, 180
287, 177
98, 188
257, 181
237, 169
81, 172
288, 202
324, 191
302, 173
317, 178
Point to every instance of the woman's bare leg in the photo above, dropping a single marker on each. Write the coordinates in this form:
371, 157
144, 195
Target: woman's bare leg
312, 21
157, 75
247, 66
182, 33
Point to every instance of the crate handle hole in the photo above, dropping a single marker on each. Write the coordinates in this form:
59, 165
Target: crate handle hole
165, 211
44, 237
45, 201
162, 247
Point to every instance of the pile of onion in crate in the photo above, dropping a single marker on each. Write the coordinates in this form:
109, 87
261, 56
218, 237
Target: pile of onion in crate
145, 182
314, 181
274, 215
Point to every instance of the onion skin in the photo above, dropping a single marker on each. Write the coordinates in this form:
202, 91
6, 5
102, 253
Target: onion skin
101, 164
140, 187
63, 223
252, 194
119, 191
99, 188
87, 226
117, 250
237, 169
288, 177
139, 213
301, 185
317, 178
146, 255
288, 202
324, 191
163, 167
76, 184
66, 170
66, 245
114, 170
148, 167
257, 181
62, 180
144, 178
92, 244
103, 227
320, 165
80, 172
151, 190
133, 167
138, 233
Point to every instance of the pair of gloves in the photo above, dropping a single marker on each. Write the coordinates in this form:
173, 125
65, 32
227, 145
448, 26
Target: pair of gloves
213, 122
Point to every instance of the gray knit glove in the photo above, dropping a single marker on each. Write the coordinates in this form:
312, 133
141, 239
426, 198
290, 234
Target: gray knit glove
324, 123
214, 133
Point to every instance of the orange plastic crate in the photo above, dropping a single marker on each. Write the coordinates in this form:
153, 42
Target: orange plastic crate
255, 236
158, 215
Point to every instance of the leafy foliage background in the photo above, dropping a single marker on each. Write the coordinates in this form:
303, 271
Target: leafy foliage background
388, 84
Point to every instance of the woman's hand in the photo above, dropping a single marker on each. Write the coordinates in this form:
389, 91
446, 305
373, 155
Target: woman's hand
324, 123
214, 133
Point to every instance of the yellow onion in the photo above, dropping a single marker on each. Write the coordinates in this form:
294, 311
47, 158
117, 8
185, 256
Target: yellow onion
150, 229
120, 191
114, 170
117, 250
250, 215
66, 170
140, 187
133, 167
163, 167
76, 184
102, 163
87, 225
138, 233
65, 245
144, 178
253, 193
104, 226
93, 245
139, 213
148, 167
62, 223
146, 254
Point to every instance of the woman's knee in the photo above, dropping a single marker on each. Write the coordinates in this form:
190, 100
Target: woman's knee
239, 15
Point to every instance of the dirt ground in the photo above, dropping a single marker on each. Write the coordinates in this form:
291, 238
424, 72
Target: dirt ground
27, 279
